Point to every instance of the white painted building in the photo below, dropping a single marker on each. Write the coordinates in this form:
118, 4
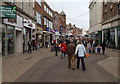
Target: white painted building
95, 9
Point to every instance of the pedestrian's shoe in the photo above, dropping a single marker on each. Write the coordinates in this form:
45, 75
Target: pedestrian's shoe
68, 67
73, 69
83, 69
77, 68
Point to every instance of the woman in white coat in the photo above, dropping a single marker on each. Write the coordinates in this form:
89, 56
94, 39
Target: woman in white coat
80, 49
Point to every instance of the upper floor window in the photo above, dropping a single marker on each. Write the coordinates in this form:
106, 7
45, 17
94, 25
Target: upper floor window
111, 13
105, 2
119, 8
39, 19
45, 8
39, 2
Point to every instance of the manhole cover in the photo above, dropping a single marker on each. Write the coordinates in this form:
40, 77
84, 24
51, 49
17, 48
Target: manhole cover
27, 59
20, 62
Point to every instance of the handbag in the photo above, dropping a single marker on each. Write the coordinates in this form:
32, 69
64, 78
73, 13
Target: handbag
84, 52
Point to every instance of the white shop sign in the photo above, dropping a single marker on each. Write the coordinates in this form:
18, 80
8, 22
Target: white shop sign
106, 26
27, 23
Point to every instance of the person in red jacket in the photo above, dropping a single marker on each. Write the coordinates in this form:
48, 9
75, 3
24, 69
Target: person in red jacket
63, 49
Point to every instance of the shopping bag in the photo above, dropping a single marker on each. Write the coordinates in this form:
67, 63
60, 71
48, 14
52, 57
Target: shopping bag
87, 55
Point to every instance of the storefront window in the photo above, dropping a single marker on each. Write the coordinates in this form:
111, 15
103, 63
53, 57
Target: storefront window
3, 39
10, 39
112, 37
118, 37
107, 37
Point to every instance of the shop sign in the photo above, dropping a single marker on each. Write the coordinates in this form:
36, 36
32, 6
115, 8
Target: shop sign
47, 29
8, 11
29, 24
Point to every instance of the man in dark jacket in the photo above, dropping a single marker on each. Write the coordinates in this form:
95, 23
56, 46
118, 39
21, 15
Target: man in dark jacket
29, 46
103, 47
71, 56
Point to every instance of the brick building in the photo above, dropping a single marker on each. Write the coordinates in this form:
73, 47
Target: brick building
62, 20
39, 26
47, 21
110, 23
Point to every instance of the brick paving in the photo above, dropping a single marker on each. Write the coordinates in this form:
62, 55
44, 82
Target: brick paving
15, 66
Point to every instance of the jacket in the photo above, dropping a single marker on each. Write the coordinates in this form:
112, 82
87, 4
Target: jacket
81, 50
63, 47
71, 49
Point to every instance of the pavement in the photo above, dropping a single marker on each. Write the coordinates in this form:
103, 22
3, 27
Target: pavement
110, 64
43, 66
15, 66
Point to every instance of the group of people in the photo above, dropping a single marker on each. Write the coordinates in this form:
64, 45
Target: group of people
95, 47
72, 48
32, 45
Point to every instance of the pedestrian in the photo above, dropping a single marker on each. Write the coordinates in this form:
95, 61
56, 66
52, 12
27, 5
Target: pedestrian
80, 49
103, 46
99, 48
29, 46
71, 56
96, 46
34, 45
63, 49
113, 45
91, 42
46, 43
90, 48
56, 48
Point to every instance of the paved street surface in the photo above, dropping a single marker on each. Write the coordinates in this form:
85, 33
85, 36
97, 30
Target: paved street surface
43, 66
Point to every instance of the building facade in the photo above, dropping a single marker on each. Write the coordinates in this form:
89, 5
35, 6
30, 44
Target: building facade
17, 31
96, 9
62, 22
111, 23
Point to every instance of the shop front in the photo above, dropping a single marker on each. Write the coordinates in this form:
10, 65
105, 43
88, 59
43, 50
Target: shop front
39, 35
28, 29
8, 40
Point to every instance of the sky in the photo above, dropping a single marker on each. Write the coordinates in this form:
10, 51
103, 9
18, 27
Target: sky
77, 11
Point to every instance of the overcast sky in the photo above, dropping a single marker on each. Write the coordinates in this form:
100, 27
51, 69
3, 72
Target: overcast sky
77, 11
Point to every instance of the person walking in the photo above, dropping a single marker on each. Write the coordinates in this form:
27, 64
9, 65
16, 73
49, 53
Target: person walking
96, 46
91, 42
103, 47
29, 46
80, 49
56, 48
46, 43
63, 49
70, 51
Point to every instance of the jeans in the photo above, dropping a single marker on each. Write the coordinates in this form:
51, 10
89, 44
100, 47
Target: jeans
29, 50
62, 54
82, 62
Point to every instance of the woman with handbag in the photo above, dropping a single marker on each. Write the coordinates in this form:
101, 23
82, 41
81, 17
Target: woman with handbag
80, 49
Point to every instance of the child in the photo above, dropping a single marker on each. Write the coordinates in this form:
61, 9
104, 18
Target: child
99, 48
90, 48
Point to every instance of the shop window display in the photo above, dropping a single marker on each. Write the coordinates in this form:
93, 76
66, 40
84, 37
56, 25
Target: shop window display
10, 39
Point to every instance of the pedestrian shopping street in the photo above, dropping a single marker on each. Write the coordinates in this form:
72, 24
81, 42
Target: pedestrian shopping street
59, 41
44, 66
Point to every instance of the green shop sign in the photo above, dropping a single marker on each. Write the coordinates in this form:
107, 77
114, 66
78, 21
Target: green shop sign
8, 11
